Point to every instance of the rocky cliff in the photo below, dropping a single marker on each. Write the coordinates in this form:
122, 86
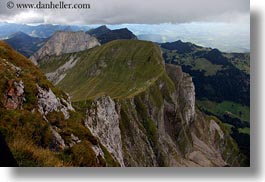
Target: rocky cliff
129, 109
209, 69
161, 127
142, 111
65, 42
38, 122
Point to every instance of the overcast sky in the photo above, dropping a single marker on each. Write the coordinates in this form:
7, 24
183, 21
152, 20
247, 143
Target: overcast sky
133, 11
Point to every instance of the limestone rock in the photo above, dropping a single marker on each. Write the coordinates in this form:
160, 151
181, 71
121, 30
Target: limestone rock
48, 102
57, 142
103, 121
74, 140
14, 95
140, 132
59, 74
65, 42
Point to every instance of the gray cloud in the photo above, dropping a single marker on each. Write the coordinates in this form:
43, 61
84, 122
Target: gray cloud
133, 11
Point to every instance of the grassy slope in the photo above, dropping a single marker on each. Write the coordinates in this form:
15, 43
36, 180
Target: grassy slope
196, 64
119, 69
239, 111
27, 134
240, 61
18, 127
220, 88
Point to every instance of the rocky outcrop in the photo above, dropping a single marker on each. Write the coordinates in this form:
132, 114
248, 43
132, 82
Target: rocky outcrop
159, 127
57, 142
14, 97
14, 93
59, 74
49, 102
103, 121
142, 111
39, 121
183, 83
65, 42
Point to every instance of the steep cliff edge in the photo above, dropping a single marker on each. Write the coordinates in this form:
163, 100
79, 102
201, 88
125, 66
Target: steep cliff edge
161, 127
65, 42
142, 111
38, 122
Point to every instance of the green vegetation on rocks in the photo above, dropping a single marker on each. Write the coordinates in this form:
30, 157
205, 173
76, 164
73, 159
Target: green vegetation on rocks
118, 69
27, 132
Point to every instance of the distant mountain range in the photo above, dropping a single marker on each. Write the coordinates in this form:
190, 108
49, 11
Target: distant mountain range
229, 42
130, 109
24, 43
65, 42
27, 45
102, 67
105, 35
41, 31
210, 68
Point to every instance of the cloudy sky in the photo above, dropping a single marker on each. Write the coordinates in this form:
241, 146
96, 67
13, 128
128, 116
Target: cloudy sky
133, 11
222, 24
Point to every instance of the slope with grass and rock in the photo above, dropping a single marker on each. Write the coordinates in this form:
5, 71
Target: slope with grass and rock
142, 110
38, 122
24, 43
64, 42
222, 82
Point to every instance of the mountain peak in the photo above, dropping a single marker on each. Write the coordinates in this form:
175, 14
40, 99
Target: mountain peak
117, 34
99, 31
65, 42
181, 47
103, 27
19, 34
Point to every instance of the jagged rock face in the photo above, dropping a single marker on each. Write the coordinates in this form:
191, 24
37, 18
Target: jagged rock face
98, 151
39, 121
103, 121
57, 143
147, 121
48, 102
65, 42
15, 95
59, 74
142, 132
185, 92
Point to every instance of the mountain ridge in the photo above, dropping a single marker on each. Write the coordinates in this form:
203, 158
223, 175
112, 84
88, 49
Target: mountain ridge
222, 82
105, 35
24, 43
161, 110
65, 42
38, 121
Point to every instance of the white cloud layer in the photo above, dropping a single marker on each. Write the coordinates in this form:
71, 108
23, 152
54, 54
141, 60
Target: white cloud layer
133, 11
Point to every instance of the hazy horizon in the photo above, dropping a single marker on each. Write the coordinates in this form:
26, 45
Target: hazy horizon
226, 37
212, 23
